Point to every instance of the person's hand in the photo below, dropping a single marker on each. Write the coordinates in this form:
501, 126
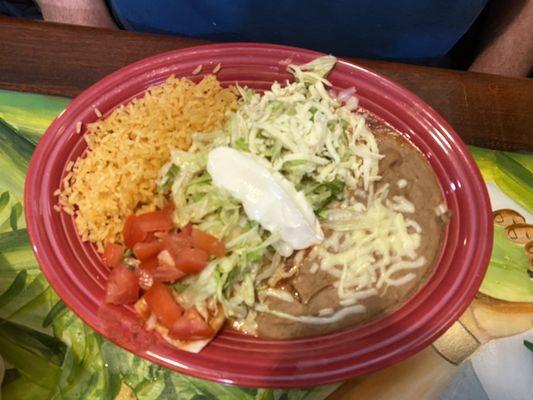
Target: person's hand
77, 12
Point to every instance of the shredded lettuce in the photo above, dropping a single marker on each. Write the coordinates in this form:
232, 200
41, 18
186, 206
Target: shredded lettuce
169, 177
299, 131
305, 134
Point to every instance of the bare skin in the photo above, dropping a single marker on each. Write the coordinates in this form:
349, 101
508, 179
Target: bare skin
508, 39
507, 47
77, 12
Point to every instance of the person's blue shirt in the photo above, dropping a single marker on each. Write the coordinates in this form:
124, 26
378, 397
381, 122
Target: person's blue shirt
386, 29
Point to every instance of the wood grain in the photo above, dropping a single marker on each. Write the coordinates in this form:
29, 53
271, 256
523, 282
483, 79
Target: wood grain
486, 110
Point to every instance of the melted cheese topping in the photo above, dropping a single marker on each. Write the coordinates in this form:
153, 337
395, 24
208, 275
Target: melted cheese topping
367, 250
315, 320
279, 294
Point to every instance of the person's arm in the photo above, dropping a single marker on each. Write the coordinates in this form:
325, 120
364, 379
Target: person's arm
508, 46
77, 12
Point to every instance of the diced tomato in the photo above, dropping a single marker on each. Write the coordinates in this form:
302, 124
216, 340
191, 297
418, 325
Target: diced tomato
156, 235
146, 250
169, 209
191, 261
174, 242
122, 286
191, 326
190, 254
168, 274
173, 245
113, 254
207, 242
146, 272
166, 270
163, 305
153, 221
138, 227
149, 265
133, 232
151, 236
186, 230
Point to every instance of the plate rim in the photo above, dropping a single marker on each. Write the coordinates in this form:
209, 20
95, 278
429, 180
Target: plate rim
153, 62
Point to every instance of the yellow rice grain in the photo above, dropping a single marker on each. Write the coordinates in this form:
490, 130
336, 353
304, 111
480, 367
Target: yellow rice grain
197, 70
117, 175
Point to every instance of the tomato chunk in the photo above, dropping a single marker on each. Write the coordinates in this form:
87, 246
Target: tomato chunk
166, 270
207, 242
191, 326
186, 230
146, 272
149, 265
153, 221
133, 232
191, 261
163, 305
168, 274
113, 254
176, 241
122, 286
137, 227
146, 250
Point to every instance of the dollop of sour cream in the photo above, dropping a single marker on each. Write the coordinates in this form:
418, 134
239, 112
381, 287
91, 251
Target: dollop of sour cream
267, 197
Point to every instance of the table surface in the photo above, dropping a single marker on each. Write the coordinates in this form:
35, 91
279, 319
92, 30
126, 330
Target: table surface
486, 110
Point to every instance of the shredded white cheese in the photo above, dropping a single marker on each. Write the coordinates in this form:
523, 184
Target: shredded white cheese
402, 183
365, 248
315, 320
279, 294
401, 204
440, 210
318, 131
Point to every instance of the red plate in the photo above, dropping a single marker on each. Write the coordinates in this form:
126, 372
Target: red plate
76, 273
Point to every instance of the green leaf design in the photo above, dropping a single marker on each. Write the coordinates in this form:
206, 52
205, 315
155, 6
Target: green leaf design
14, 289
15, 153
16, 212
46, 346
10, 213
24, 388
30, 114
507, 278
84, 374
525, 159
4, 200
16, 253
25, 350
57, 310
515, 180
512, 172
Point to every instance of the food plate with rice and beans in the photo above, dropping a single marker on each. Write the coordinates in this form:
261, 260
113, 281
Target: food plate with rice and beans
273, 212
